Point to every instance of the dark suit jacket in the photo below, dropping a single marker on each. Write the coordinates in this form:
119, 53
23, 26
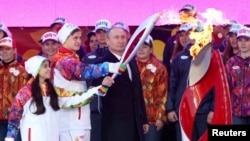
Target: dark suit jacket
123, 112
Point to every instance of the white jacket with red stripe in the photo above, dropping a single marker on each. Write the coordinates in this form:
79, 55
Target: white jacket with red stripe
43, 127
74, 118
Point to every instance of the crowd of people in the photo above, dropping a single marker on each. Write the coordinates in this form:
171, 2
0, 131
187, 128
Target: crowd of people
55, 95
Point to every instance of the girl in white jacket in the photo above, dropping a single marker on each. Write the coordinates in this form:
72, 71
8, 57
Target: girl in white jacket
35, 107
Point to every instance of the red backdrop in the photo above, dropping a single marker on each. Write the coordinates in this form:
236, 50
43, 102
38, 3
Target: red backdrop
28, 45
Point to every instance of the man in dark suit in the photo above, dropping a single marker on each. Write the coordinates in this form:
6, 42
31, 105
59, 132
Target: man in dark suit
123, 112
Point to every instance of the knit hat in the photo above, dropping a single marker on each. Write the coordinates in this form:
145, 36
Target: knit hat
48, 36
58, 20
65, 31
122, 25
34, 64
102, 24
7, 42
243, 32
149, 41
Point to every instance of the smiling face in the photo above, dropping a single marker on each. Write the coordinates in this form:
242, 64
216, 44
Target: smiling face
50, 47
74, 40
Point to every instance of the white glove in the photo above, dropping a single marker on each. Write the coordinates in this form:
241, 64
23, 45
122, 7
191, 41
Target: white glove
9, 139
114, 67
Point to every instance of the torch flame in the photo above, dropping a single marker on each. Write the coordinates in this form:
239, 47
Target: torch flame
211, 17
201, 39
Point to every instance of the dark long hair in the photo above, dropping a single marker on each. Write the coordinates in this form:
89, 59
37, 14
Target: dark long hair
228, 52
38, 98
177, 46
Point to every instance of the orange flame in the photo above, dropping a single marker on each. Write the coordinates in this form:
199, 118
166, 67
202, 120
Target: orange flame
201, 39
212, 17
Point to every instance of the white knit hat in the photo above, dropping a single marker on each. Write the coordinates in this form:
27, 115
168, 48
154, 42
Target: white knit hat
33, 65
65, 31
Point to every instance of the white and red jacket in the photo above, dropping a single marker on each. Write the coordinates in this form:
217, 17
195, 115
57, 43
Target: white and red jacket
43, 127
